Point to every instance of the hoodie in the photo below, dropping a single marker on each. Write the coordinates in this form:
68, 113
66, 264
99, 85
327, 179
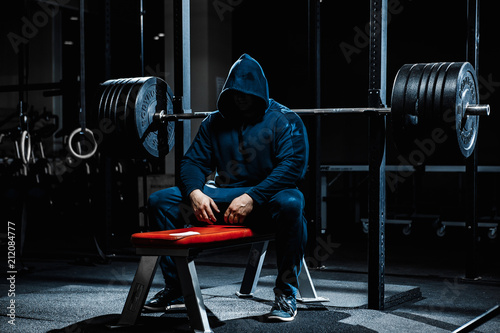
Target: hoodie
267, 152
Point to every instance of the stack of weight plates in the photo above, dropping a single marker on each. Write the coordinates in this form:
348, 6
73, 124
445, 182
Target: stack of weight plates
125, 117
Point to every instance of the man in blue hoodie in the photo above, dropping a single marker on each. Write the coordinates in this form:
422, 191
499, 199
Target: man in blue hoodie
254, 150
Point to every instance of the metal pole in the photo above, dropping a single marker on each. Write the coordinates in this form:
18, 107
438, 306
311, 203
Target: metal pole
145, 193
478, 321
82, 67
472, 162
377, 147
314, 24
23, 77
182, 78
107, 39
141, 9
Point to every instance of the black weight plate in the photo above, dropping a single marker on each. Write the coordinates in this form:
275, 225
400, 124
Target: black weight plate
119, 117
427, 83
145, 108
440, 111
128, 120
116, 142
106, 97
169, 136
435, 113
398, 112
112, 96
425, 125
429, 107
108, 85
129, 116
411, 96
166, 132
111, 100
461, 90
414, 126
119, 103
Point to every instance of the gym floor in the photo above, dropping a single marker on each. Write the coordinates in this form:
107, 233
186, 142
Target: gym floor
425, 291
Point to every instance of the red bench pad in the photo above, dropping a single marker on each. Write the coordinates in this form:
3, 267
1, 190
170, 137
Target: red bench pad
191, 237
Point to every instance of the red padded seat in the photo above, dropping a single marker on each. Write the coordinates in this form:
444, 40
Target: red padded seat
191, 237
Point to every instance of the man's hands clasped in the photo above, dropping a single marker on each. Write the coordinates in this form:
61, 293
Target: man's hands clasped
204, 207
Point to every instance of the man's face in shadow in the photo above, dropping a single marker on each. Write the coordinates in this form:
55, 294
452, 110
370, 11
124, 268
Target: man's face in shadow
244, 103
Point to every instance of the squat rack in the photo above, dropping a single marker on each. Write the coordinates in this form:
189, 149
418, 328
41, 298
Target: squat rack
377, 94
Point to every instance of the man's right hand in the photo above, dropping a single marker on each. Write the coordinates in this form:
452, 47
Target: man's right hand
202, 206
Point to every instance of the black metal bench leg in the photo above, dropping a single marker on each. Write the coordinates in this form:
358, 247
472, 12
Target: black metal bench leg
192, 294
139, 290
252, 271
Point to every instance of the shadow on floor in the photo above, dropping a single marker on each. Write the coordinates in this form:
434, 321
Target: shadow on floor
323, 320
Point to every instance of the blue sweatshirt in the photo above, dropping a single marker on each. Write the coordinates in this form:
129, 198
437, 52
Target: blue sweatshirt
267, 153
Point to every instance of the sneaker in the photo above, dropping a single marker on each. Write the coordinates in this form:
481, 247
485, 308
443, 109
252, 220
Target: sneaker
165, 299
284, 308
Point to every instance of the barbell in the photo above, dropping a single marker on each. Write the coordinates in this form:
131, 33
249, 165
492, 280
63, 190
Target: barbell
426, 98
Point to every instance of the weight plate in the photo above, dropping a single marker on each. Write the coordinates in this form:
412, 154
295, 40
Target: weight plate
439, 89
166, 134
432, 113
398, 114
462, 90
129, 116
108, 109
107, 98
411, 97
107, 86
152, 97
119, 106
405, 121
426, 82
109, 113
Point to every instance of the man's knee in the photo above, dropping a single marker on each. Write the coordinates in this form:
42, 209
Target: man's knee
291, 202
153, 200
165, 196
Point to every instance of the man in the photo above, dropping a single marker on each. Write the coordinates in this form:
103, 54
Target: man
255, 151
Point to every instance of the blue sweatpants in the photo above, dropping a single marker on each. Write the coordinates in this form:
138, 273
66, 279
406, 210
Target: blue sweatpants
169, 210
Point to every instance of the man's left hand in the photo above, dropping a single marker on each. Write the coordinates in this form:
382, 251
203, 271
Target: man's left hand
239, 209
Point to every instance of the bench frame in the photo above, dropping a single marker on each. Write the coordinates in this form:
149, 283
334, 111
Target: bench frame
184, 260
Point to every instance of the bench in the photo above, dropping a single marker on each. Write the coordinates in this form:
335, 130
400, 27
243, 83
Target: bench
183, 245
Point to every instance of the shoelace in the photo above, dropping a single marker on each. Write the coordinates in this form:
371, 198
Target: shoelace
282, 304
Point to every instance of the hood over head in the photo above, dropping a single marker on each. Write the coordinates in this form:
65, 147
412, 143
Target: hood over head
245, 76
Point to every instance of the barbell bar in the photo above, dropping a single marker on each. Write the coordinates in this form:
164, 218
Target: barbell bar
425, 97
